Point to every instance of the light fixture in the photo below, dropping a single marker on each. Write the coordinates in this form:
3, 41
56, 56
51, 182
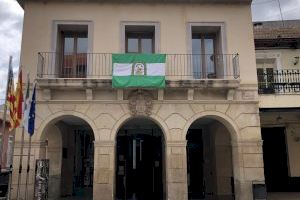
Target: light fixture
279, 119
296, 60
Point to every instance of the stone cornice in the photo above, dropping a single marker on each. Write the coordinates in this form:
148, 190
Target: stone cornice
21, 2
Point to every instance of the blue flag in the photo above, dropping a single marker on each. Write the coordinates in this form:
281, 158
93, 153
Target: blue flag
31, 117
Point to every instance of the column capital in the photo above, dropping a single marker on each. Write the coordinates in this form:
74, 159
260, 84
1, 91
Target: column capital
176, 143
104, 143
247, 143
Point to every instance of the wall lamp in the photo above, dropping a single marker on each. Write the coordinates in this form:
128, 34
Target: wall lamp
296, 61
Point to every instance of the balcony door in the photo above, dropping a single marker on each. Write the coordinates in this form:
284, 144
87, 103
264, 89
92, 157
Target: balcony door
74, 54
265, 75
203, 58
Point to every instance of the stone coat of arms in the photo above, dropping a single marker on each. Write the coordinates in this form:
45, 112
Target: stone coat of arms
140, 103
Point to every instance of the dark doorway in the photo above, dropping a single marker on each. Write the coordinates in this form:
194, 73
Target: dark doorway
139, 171
77, 163
276, 162
194, 150
209, 161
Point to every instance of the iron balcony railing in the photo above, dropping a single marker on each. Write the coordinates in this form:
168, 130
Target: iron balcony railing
99, 66
278, 81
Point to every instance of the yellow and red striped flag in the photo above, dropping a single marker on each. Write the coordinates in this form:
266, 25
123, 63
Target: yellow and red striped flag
11, 98
18, 101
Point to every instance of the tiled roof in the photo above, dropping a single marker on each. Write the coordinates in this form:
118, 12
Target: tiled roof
277, 29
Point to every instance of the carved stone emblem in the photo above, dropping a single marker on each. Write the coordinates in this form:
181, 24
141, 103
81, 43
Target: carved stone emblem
140, 103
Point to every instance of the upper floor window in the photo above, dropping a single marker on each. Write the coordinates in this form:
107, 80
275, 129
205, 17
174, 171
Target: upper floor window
72, 46
139, 39
206, 49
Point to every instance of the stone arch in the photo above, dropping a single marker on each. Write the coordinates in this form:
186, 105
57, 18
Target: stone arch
51, 119
52, 131
224, 119
231, 126
128, 117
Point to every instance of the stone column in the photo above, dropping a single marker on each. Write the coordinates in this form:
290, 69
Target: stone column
248, 167
176, 170
104, 164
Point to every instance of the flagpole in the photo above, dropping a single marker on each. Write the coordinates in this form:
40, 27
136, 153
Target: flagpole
28, 168
20, 163
30, 130
11, 167
4, 113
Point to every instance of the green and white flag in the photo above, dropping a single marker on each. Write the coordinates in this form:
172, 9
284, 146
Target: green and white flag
138, 70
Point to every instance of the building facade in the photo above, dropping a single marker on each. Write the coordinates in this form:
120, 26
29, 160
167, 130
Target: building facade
277, 57
197, 138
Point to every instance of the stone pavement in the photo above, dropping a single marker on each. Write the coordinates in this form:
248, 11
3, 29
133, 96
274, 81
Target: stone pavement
84, 194
284, 196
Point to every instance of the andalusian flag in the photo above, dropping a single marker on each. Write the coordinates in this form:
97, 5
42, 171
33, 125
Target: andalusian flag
138, 70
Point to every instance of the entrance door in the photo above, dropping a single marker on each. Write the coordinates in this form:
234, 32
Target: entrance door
139, 167
194, 149
276, 162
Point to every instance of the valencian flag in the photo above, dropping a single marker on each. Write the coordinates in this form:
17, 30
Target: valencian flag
18, 101
138, 70
30, 117
11, 98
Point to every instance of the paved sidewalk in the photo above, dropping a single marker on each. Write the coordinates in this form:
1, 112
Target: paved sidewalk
284, 196
84, 194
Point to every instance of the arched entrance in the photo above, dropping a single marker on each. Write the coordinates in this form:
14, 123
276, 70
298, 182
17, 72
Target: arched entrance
209, 160
70, 150
140, 161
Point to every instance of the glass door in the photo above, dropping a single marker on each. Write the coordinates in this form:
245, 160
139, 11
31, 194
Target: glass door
203, 55
74, 57
139, 167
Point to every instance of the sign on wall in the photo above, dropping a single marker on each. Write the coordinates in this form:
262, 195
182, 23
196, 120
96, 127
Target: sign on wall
41, 179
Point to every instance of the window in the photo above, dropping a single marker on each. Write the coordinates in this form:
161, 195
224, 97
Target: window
203, 50
139, 39
265, 74
72, 49
206, 49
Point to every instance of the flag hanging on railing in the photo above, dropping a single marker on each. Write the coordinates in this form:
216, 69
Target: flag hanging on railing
11, 98
138, 70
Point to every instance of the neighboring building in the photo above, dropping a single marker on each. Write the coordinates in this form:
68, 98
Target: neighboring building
8, 139
199, 137
278, 69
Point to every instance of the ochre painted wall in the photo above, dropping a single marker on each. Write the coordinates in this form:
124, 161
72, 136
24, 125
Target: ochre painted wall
106, 20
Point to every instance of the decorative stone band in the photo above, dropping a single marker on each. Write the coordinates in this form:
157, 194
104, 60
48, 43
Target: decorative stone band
138, 70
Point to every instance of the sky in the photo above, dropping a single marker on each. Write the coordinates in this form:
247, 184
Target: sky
11, 21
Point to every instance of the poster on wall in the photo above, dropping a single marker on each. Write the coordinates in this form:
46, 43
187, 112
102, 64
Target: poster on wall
41, 179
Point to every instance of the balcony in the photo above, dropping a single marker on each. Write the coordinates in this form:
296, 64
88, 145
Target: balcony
182, 70
286, 81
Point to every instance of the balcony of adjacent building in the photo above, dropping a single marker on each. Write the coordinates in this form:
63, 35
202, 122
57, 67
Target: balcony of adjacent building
284, 81
278, 88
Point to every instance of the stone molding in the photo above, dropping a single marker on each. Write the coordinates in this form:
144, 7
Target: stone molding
140, 103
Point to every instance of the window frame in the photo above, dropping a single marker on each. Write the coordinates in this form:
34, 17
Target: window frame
55, 46
140, 35
220, 42
156, 35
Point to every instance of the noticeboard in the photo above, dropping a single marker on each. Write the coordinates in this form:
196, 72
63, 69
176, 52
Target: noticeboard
41, 179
